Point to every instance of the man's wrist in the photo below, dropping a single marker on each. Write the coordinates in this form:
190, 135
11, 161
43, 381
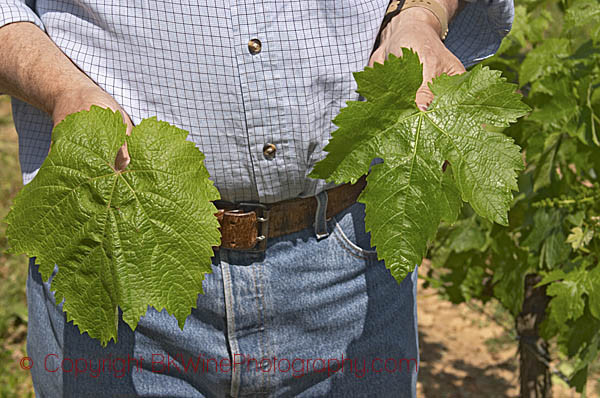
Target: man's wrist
451, 7
437, 16
419, 15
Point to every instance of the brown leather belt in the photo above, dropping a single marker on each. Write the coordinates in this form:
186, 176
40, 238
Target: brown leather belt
247, 226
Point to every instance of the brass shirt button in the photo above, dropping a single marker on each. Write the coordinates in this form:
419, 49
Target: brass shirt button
269, 151
254, 46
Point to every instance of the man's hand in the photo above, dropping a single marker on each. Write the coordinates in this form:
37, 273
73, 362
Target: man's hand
419, 30
82, 98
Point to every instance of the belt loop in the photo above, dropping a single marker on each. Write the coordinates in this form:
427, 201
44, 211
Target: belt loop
320, 224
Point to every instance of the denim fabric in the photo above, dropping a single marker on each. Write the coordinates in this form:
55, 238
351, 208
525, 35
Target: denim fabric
305, 304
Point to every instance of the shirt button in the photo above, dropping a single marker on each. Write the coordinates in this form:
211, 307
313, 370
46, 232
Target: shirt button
269, 151
254, 46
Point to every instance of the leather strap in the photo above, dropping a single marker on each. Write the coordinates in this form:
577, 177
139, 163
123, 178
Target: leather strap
241, 229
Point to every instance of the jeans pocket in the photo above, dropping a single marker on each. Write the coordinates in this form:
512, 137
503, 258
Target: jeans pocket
348, 230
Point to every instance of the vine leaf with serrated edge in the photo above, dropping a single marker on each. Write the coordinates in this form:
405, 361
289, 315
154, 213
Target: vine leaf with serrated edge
121, 239
408, 194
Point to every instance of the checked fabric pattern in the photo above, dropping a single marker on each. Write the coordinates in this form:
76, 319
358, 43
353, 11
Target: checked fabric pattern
190, 64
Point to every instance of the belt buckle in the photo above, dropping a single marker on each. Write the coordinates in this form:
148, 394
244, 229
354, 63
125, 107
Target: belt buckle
262, 220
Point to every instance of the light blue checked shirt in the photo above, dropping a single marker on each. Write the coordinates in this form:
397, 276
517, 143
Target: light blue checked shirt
190, 63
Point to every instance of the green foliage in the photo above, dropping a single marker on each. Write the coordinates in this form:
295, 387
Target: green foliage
554, 225
410, 193
584, 13
13, 271
121, 239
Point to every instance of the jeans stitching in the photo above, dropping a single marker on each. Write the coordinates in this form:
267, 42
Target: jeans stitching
229, 311
261, 345
349, 246
262, 305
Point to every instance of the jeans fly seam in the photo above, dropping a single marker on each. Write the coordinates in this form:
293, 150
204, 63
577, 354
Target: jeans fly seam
264, 320
260, 339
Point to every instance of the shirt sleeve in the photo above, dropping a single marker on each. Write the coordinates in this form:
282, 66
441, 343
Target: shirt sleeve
476, 32
19, 11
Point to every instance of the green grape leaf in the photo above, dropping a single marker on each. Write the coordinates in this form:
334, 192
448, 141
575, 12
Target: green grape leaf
545, 167
545, 222
130, 239
582, 13
567, 301
408, 194
560, 107
555, 250
593, 287
547, 238
579, 238
582, 340
529, 27
509, 264
545, 59
467, 235
581, 333
552, 276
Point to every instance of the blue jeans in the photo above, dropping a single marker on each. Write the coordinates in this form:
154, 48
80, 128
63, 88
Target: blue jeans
310, 317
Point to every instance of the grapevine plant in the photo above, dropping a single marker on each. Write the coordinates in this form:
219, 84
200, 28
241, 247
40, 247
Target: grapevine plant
542, 267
